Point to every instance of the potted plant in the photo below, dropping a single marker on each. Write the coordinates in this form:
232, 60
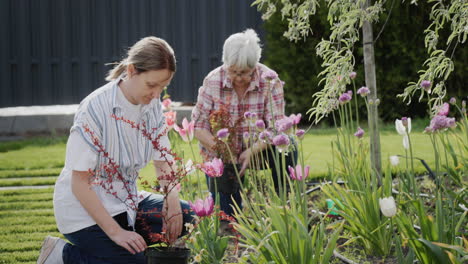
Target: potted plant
160, 249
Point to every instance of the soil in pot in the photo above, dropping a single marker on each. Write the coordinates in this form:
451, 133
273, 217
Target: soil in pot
164, 255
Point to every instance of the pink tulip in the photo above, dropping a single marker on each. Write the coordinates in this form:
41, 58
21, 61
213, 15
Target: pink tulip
295, 118
359, 133
167, 103
203, 207
213, 168
170, 119
444, 109
187, 130
363, 91
298, 173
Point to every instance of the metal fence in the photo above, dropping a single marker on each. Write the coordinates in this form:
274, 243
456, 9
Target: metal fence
55, 51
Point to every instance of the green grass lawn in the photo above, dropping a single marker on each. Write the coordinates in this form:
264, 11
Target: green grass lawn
26, 216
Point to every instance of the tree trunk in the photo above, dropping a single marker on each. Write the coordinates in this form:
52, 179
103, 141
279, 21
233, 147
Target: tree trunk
369, 68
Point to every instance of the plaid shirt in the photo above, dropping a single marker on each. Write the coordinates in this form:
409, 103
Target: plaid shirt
217, 89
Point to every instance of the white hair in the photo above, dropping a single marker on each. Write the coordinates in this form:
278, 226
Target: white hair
242, 49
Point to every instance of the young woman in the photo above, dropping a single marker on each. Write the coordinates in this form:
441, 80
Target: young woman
102, 219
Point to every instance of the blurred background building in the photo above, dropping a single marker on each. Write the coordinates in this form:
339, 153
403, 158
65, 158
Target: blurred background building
56, 51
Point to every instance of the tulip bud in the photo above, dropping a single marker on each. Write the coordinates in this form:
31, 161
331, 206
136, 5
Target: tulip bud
223, 133
404, 121
388, 206
260, 125
394, 160
426, 85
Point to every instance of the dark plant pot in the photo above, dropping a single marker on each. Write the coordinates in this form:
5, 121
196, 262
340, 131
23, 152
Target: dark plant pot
228, 182
165, 255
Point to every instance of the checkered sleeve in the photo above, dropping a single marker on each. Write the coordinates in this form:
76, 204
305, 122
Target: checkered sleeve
203, 107
275, 101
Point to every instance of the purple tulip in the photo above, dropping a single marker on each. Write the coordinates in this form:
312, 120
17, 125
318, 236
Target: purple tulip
281, 142
352, 75
426, 85
265, 136
223, 133
359, 133
260, 124
363, 91
300, 133
247, 115
344, 98
441, 122
246, 135
253, 116
444, 109
284, 125
453, 101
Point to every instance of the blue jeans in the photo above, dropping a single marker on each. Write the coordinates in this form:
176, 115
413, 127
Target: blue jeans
226, 201
92, 245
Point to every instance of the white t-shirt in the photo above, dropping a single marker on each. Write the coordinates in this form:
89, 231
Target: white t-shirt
69, 213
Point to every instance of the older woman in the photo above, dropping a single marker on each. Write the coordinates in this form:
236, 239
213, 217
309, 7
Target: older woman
242, 82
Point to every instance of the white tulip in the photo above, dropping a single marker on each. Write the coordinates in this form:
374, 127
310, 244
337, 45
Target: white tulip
394, 160
404, 131
388, 206
189, 168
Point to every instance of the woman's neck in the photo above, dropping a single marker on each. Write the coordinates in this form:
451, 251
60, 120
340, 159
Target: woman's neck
123, 85
240, 91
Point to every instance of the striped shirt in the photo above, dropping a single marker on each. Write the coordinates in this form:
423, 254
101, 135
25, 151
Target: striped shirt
261, 97
124, 144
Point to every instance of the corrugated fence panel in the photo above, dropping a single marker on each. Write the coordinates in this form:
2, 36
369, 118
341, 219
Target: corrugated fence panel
56, 51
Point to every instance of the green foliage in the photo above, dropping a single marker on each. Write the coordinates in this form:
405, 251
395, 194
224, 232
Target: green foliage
440, 64
28, 182
207, 243
276, 229
39, 141
5, 174
26, 218
397, 58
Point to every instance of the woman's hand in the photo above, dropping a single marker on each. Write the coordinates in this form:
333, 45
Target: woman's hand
131, 241
173, 223
244, 159
88, 198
